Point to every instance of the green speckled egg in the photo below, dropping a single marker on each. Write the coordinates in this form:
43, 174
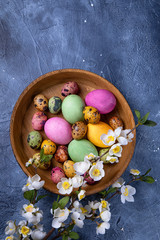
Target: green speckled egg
34, 139
40, 164
54, 104
78, 149
72, 108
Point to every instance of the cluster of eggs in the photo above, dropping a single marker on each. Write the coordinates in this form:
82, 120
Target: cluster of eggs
80, 128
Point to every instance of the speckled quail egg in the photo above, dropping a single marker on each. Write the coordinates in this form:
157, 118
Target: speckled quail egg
91, 115
34, 139
49, 147
79, 130
54, 104
41, 102
37, 162
115, 122
69, 169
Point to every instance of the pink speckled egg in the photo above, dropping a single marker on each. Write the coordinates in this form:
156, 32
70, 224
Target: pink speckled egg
56, 174
58, 130
103, 100
69, 88
38, 120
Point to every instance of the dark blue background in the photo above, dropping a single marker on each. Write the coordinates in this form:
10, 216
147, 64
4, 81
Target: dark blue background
116, 39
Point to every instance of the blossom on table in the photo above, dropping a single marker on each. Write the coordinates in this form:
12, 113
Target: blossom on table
38, 234
110, 138
116, 150
81, 194
112, 159
11, 228
118, 183
25, 231
124, 139
32, 214
11, 237
97, 172
59, 216
30, 162
77, 181
104, 205
135, 172
33, 183
65, 186
100, 229
127, 193
85, 211
76, 217
94, 204
82, 167
105, 215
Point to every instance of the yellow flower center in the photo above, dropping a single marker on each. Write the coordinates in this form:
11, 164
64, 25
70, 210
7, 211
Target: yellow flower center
24, 230
93, 164
96, 172
126, 192
29, 208
109, 139
116, 149
112, 160
27, 184
65, 185
81, 197
62, 214
104, 204
135, 171
83, 210
90, 156
9, 238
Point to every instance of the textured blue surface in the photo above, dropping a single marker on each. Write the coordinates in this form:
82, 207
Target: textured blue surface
116, 39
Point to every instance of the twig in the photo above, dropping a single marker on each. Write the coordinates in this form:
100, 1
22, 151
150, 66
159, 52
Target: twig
49, 234
133, 129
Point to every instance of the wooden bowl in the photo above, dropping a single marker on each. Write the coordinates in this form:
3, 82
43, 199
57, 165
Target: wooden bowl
50, 85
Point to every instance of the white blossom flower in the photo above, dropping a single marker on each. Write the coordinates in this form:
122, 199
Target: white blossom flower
118, 183
89, 156
76, 217
82, 167
31, 214
38, 234
77, 181
116, 150
105, 215
60, 215
11, 228
112, 159
94, 204
104, 205
135, 172
127, 193
97, 172
84, 211
110, 138
65, 186
100, 229
33, 183
81, 195
22, 223
11, 237
29, 163
25, 231
124, 139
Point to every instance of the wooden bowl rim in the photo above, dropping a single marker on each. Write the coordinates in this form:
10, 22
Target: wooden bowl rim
69, 70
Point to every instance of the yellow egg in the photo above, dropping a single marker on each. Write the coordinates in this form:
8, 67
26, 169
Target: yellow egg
49, 147
69, 169
95, 131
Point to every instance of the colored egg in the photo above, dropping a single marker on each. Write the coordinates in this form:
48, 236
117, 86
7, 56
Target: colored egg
78, 149
103, 100
41, 102
61, 154
56, 174
54, 104
37, 162
38, 120
101, 152
115, 122
91, 115
58, 130
49, 147
69, 169
79, 130
95, 131
72, 108
34, 139
69, 88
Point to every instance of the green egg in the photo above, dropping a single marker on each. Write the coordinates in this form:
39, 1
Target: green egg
54, 104
72, 108
34, 139
78, 149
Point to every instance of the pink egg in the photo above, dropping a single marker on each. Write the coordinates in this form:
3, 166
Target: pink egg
38, 120
56, 174
58, 130
103, 100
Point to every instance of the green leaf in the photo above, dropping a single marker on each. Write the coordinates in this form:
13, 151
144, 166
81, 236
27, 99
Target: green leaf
73, 235
63, 202
144, 119
46, 158
150, 123
147, 172
77, 192
54, 205
30, 195
70, 227
40, 197
64, 237
41, 153
111, 190
147, 179
137, 114
58, 198
103, 193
